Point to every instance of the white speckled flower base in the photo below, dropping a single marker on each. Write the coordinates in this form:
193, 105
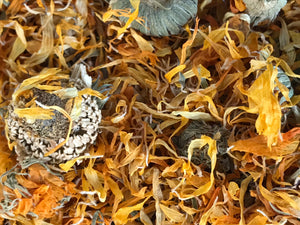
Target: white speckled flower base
29, 144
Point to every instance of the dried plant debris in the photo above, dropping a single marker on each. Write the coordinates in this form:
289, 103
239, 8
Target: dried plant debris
45, 114
160, 17
263, 10
102, 124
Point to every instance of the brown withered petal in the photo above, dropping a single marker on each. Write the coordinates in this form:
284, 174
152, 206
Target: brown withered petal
161, 17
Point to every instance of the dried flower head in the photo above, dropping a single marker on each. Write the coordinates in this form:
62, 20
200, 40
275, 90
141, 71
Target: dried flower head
161, 17
53, 111
195, 130
263, 10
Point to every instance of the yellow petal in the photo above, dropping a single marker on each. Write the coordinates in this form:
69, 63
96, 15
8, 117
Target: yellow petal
96, 180
258, 220
68, 165
34, 113
233, 189
132, 17
172, 214
121, 216
239, 4
194, 115
173, 72
143, 44
243, 190
144, 218
18, 48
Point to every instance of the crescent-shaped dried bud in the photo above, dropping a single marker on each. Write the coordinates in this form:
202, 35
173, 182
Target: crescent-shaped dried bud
161, 17
263, 10
33, 136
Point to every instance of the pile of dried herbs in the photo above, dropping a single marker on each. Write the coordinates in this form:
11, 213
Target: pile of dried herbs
200, 127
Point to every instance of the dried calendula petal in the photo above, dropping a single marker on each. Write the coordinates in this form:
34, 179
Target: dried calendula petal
40, 124
161, 17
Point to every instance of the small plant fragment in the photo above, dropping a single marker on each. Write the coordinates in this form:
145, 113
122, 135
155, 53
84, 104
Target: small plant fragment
160, 17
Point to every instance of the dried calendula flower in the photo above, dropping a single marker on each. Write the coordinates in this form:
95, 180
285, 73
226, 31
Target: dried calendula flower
54, 117
161, 17
194, 131
263, 10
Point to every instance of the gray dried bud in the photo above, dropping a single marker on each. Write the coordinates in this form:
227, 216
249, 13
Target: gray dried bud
194, 131
263, 10
161, 17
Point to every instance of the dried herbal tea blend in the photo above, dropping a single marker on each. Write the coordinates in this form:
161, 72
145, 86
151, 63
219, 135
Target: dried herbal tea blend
147, 157
50, 112
160, 17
